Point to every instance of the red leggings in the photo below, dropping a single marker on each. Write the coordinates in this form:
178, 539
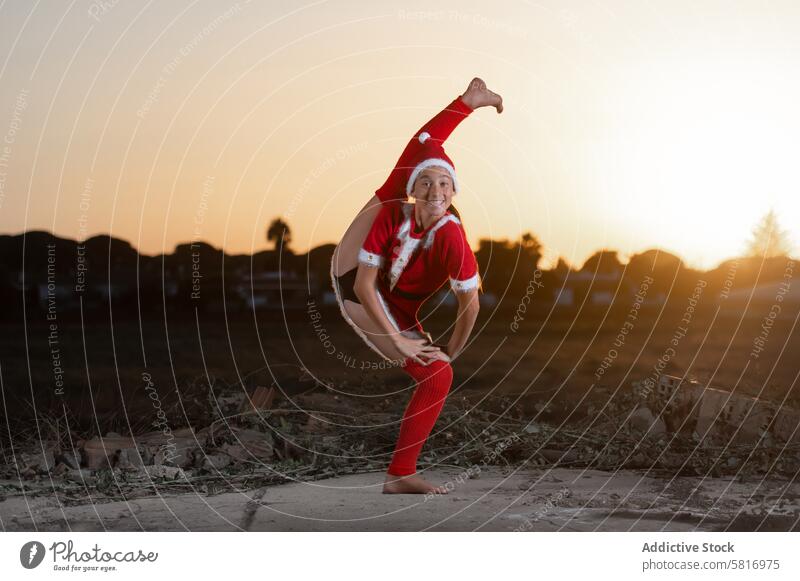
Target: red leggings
433, 384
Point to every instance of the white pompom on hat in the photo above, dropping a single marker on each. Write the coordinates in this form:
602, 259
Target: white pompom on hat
430, 154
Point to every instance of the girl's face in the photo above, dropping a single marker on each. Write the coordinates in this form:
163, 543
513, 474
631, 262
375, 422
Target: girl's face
433, 191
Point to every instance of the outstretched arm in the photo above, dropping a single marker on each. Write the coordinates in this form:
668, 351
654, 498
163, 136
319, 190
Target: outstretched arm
439, 128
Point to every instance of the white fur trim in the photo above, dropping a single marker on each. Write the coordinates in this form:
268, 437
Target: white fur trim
461, 286
432, 232
407, 247
408, 244
431, 162
424, 136
370, 258
386, 310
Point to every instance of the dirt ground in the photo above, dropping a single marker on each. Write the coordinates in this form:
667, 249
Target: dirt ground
545, 360
543, 363
559, 499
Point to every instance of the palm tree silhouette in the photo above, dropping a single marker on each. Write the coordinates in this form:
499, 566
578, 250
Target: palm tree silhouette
279, 234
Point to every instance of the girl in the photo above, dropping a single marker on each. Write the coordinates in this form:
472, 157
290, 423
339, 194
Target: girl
395, 256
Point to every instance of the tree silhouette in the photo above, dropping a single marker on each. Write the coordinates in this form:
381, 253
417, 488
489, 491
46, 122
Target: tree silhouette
562, 268
532, 247
279, 234
768, 239
603, 262
508, 265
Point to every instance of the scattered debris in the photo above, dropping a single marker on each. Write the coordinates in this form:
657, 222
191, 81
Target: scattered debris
643, 421
708, 413
161, 471
100, 452
38, 462
72, 458
675, 426
262, 399
249, 445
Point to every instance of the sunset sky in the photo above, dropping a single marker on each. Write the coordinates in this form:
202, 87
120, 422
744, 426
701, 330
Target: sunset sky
627, 125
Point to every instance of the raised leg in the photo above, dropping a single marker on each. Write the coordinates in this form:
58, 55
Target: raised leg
478, 95
364, 323
345, 256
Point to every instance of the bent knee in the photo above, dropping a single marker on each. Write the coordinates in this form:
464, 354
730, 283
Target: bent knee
443, 368
442, 371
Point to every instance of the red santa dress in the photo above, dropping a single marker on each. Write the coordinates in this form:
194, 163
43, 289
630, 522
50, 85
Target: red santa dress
414, 264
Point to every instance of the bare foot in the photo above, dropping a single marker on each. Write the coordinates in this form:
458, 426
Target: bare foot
411, 484
477, 95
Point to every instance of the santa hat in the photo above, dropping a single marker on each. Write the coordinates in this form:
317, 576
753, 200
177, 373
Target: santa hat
429, 154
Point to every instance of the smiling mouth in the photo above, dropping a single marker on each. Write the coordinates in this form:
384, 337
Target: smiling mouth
435, 203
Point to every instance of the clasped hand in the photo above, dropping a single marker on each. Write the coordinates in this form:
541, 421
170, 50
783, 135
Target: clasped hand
419, 350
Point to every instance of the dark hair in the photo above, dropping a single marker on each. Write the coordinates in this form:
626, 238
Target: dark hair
455, 213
